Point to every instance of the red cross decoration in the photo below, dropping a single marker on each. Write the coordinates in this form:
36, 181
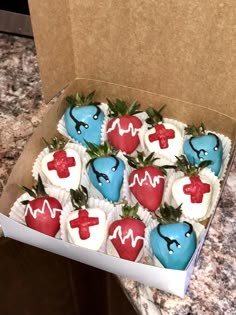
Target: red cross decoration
196, 189
162, 135
83, 222
61, 163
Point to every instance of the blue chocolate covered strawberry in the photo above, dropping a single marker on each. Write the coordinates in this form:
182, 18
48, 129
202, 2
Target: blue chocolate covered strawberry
105, 170
173, 242
203, 146
84, 119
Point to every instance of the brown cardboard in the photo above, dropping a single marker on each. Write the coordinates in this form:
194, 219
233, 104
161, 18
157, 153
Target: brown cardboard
151, 51
173, 281
181, 49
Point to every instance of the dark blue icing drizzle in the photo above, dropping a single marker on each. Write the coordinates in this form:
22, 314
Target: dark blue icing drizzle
103, 175
98, 112
190, 231
198, 152
78, 123
169, 241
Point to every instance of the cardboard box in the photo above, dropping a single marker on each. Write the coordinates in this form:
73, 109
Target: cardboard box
179, 54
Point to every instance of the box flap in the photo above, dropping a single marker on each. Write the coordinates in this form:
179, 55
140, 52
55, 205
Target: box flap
182, 49
53, 40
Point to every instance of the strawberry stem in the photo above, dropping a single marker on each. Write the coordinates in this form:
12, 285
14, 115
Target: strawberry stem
130, 212
79, 198
142, 161
81, 100
104, 149
56, 144
120, 108
189, 169
195, 131
169, 214
154, 116
37, 191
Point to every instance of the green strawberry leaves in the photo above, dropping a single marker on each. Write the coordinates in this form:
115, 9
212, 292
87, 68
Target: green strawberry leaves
189, 169
154, 116
81, 99
79, 198
195, 131
169, 214
36, 191
121, 108
130, 212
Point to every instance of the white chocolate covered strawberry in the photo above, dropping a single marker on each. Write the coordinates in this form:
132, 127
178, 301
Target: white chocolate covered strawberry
85, 226
164, 138
62, 165
193, 190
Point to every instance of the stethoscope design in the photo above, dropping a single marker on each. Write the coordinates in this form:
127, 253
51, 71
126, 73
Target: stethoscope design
99, 174
169, 241
78, 123
198, 152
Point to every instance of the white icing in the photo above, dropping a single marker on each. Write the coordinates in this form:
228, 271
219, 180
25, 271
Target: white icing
193, 210
174, 145
97, 232
46, 204
118, 233
73, 180
153, 181
133, 131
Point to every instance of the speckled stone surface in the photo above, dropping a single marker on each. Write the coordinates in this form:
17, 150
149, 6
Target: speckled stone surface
212, 288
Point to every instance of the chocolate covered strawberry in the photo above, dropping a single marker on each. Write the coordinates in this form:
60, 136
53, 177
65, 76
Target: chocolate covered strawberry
173, 242
84, 119
61, 165
105, 170
127, 234
42, 213
147, 181
162, 137
85, 226
123, 128
203, 146
193, 190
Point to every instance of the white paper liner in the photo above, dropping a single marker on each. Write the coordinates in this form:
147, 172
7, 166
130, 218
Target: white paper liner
114, 215
160, 162
92, 203
226, 145
61, 127
149, 256
180, 126
206, 174
37, 168
17, 211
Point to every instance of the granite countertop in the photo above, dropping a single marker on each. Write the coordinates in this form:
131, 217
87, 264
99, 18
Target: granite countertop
212, 288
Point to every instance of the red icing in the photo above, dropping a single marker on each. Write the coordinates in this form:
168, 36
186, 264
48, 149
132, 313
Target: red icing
61, 163
196, 189
162, 135
83, 222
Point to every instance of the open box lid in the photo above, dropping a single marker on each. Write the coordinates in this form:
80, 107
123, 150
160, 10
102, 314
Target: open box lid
184, 50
